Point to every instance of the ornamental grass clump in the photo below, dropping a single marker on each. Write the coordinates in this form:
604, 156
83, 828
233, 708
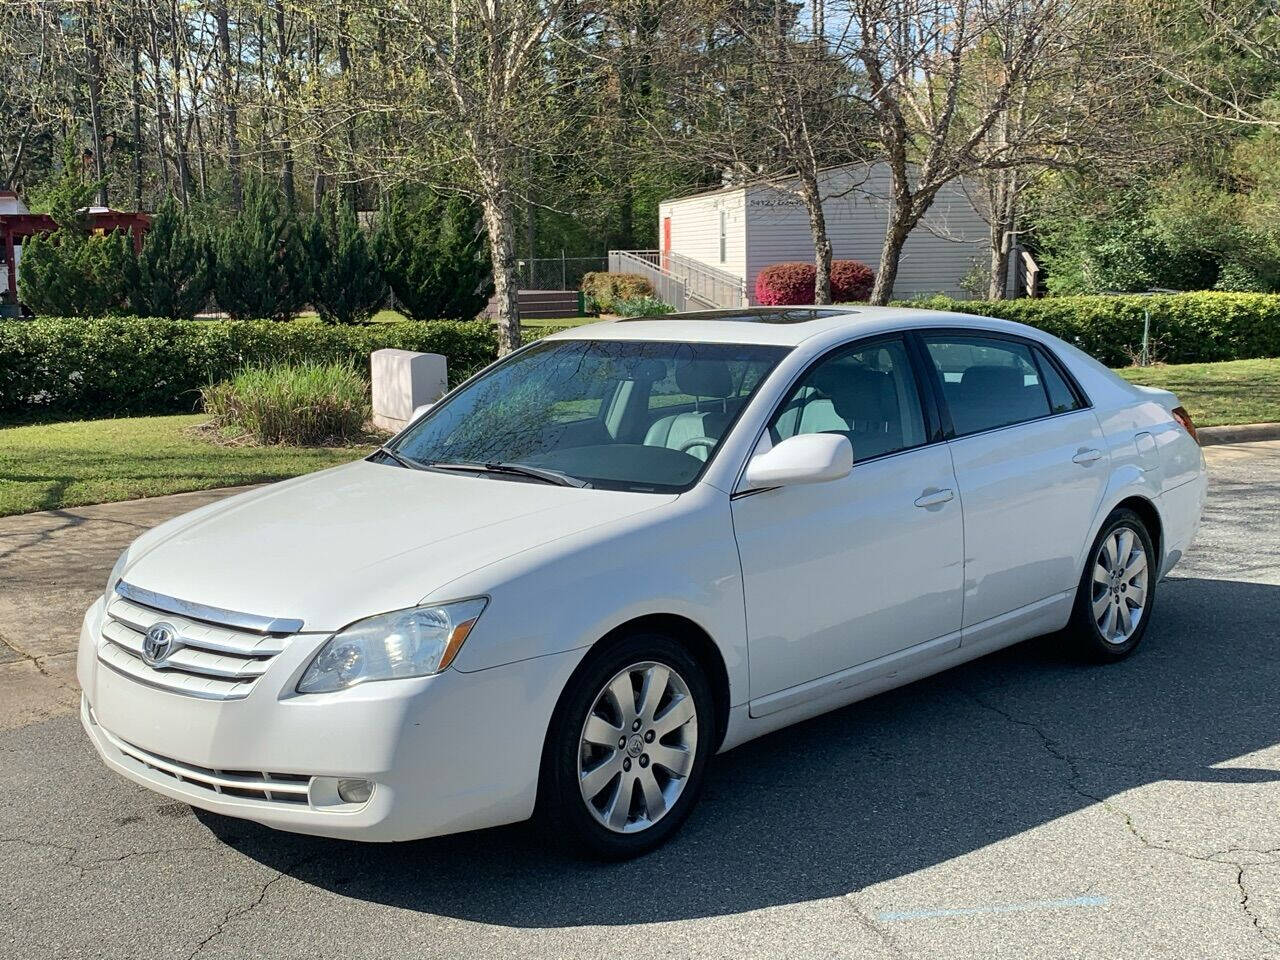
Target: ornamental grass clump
305, 404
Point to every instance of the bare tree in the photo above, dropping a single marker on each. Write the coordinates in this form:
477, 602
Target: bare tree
462, 91
755, 93
919, 57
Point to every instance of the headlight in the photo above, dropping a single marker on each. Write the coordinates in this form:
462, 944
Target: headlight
407, 643
116, 573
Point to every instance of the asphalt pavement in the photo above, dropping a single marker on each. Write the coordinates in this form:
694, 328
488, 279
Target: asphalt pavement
1022, 806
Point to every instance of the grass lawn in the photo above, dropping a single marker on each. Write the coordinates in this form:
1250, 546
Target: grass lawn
1216, 394
51, 465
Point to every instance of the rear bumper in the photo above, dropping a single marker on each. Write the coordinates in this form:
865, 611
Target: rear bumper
447, 753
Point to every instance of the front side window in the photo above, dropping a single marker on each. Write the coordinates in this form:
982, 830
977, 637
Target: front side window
867, 394
988, 382
643, 416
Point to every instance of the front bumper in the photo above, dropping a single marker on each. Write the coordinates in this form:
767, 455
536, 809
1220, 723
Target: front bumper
447, 753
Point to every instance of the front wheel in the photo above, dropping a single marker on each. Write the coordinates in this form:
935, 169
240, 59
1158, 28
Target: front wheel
627, 748
1116, 594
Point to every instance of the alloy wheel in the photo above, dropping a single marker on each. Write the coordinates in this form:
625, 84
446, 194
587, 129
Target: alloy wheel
1119, 595
637, 747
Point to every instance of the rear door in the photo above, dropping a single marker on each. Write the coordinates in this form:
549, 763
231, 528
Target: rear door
1030, 467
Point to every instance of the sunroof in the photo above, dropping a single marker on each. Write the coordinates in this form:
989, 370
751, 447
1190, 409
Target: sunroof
753, 315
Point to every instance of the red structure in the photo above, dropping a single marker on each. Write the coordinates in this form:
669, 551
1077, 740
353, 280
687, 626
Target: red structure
16, 227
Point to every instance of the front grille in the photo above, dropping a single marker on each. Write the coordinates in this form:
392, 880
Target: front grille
250, 785
210, 660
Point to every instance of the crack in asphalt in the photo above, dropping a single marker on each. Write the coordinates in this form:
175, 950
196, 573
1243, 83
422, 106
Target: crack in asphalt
248, 908
83, 867
1054, 749
1265, 933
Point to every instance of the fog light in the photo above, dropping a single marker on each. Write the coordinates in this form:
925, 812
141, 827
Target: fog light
355, 791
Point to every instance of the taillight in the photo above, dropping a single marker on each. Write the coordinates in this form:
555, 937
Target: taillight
1184, 418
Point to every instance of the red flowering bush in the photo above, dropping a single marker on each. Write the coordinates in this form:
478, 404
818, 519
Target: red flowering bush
851, 280
788, 284
785, 284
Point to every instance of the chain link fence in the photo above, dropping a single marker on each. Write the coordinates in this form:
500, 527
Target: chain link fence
557, 273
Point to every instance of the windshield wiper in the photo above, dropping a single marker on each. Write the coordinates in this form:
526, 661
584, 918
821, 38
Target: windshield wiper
403, 461
513, 469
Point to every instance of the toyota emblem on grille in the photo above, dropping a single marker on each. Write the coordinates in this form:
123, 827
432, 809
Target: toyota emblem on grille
160, 641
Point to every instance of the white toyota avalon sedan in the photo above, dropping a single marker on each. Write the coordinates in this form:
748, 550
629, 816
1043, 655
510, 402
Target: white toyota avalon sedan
623, 549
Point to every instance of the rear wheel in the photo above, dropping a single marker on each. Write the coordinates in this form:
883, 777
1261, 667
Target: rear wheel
1116, 594
627, 748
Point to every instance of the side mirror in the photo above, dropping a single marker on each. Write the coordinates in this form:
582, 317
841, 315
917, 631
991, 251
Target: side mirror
807, 458
420, 412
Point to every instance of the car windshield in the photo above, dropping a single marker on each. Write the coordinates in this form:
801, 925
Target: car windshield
621, 415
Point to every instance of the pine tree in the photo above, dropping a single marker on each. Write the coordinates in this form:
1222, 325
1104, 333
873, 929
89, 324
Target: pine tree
434, 254
258, 265
173, 274
346, 279
68, 274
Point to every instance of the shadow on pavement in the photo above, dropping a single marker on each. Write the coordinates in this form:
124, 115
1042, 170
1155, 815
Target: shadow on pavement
886, 787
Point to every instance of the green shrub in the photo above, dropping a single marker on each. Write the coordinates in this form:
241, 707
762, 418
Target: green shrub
70, 273
642, 307
305, 404
172, 276
434, 254
129, 365
259, 265
605, 289
346, 279
1185, 327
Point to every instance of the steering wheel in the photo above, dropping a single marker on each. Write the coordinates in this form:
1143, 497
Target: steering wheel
697, 442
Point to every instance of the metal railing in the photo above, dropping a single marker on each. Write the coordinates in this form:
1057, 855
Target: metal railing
701, 285
666, 288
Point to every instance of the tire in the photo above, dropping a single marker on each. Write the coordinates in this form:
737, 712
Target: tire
1113, 606
597, 749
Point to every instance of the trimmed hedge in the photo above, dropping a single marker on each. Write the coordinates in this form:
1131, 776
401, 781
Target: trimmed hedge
1185, 327
790, 284
131, 365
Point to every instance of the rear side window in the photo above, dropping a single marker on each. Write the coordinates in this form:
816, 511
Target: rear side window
987, 382
1061, 399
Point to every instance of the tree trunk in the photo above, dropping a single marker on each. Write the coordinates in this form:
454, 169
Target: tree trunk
179, 132
901, 220
812, 199
1003, 204
135, 95
497, 220
95, 106
282, 81
229, 104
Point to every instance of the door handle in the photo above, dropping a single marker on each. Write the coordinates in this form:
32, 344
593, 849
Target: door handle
931, 498
1087, 455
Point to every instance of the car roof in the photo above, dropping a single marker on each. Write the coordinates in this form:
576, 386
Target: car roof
780, 326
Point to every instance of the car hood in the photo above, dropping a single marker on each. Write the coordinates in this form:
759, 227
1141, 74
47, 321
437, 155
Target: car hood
360, 539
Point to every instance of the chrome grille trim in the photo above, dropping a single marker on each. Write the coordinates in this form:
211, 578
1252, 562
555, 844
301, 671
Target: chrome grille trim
188, 608
293, 789
211, 660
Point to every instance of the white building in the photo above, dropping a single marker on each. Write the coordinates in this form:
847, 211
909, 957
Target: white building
717, 242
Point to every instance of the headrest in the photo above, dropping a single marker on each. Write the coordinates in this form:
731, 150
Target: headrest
704, 378
994, 378
857, 393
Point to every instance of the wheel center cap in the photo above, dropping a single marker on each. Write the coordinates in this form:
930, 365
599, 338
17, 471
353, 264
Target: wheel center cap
635, 746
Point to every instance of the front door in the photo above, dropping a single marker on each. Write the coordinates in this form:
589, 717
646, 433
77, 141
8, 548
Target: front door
843, 573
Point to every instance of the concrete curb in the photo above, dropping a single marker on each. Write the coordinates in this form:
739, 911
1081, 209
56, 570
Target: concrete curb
1242, 433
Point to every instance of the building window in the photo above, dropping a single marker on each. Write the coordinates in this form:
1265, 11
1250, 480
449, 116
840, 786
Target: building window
724, 234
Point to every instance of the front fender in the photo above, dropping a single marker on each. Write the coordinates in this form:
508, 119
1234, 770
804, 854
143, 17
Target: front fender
569, 593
